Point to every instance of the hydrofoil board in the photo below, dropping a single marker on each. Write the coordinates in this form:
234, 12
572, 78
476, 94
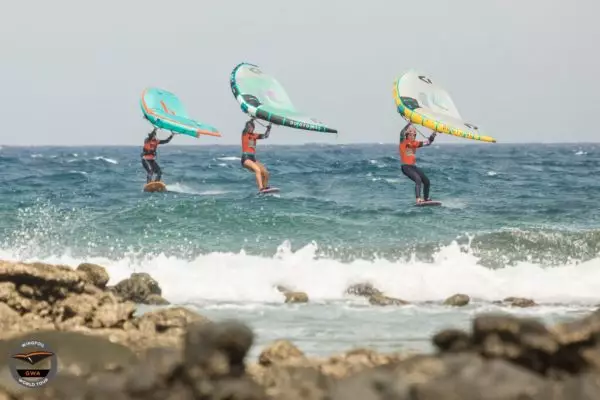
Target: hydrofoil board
269, 190
428, 203
156, 186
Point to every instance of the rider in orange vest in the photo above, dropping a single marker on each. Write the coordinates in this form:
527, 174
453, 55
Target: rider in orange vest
249, 138
149, 155
408, 148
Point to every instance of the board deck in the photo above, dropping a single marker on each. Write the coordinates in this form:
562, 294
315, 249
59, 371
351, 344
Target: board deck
269, 190
156, 186
428, 203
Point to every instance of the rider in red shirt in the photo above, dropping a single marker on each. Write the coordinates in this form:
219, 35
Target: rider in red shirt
149, 155
408, 148
249, 138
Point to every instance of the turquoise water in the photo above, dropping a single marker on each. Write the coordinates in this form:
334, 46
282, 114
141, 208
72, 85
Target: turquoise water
516, 220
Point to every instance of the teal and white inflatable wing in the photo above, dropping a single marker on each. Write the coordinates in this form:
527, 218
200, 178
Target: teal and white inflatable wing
261, 96
164, 110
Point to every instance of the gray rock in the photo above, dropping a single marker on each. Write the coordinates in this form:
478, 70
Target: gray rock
457, 300
95, 274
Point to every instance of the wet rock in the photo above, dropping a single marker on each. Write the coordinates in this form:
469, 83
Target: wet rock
213, 354
452, 376
9, 318
452, 340
420, 368
95, 274
296, 383
28, 291
519, 302
40, 274
62, 387
579, 342
100, 311
292, 296
398, 380
139, 288
374, 384
14, 299
583, 387
457, 300
67, 301
157, 366
216, 350
104, 353
356, 360
363, 290
83, 306
493, 380
211, 366
169, 319
159, 328
296, 297
238, 389
584, 330
113, 315
284, 354
381, 300
278, 352
524, 341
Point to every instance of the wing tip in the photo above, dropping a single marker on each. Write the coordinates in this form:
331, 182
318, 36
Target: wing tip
208, 133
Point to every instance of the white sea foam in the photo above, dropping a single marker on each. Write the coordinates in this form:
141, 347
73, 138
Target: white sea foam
239, 277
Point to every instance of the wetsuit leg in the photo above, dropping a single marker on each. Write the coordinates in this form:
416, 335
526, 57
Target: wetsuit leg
410, 171
148, 169
425, 180
157, 170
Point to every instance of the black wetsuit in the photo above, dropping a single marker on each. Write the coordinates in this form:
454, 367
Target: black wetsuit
149, 157
152, 168
418, 177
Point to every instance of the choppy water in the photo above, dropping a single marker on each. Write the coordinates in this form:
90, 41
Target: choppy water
517, 220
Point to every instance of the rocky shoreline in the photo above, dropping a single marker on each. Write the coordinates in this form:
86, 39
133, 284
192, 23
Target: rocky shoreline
105, 351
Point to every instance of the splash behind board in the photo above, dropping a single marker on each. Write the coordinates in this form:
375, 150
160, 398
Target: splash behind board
428, 203
155, 187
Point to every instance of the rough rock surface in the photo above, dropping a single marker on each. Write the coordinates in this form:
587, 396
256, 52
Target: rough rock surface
95, 274
363, 290
519, 302
279, 351
381, 300
458, 300
292, 296
140, 288
373, 295
503, 357
105, 352
42, 297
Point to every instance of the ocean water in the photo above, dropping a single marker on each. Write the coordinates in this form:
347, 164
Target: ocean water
516, 220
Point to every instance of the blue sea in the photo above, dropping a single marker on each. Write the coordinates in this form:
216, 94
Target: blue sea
516, 220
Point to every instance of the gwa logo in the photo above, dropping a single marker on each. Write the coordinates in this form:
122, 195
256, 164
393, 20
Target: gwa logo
471, 126
33, 364
425, 79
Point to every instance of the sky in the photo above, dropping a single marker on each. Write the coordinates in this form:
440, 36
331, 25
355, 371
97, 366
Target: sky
73, 71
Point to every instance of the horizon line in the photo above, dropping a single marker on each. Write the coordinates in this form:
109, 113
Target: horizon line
295, 144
